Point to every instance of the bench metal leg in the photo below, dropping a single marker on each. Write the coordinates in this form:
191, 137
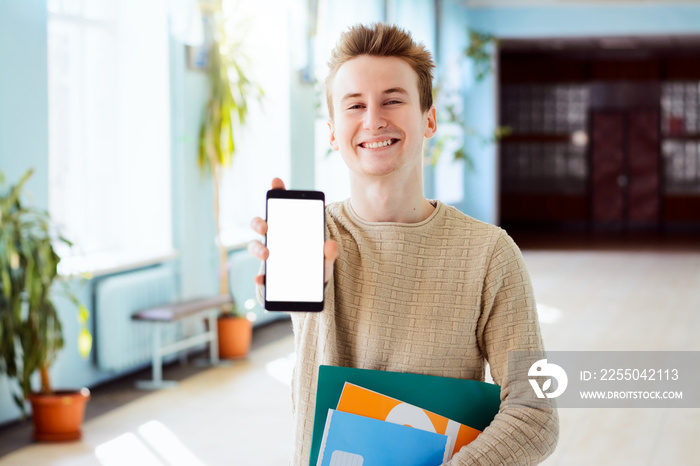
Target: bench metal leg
157, 358
157, 381
158, 351
213, 337
214, 342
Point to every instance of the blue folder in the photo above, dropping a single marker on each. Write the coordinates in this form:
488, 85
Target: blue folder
354, 440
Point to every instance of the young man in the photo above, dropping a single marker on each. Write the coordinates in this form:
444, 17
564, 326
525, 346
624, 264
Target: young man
413, 285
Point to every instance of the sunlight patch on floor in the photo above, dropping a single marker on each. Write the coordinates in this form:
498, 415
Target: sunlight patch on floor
154, 445
125, 449
548, 314
167, 445
282, 368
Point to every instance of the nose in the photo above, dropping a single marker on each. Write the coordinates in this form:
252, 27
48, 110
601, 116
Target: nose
374, 118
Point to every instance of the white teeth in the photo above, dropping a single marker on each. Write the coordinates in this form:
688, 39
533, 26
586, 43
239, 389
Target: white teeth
377, 145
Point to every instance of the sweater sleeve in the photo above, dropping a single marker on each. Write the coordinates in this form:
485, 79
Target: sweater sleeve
523, 432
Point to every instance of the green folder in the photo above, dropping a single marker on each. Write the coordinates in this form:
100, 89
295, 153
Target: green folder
468, 402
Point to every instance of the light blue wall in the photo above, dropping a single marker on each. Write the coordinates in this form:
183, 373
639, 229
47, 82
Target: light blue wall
418, 17
570, 21
480, 196
303, 112
481, 183
24, 95
193, 226
23, 112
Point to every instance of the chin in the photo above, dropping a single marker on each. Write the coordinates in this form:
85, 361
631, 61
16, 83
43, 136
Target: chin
375, 170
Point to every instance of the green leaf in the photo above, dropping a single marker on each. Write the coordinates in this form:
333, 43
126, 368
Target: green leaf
83, 314
84, 343
230, 92
30, 329
19, 401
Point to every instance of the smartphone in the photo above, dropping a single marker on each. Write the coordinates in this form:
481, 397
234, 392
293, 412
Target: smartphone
296, 230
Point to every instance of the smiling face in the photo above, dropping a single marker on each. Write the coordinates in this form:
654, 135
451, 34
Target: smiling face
377, 124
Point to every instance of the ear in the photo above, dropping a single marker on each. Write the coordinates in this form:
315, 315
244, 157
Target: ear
333, 141
430, 122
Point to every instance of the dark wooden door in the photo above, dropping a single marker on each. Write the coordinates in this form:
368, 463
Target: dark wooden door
643, 168
625, 190
608, 166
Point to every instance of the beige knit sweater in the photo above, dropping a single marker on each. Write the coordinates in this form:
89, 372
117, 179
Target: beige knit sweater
440, 297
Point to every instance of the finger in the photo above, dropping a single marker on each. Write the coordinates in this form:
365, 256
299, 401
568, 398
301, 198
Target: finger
257, 250
330, 253
260, 280
259, 226
277, 183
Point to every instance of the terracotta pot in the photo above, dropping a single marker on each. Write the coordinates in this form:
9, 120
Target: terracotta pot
58, 417
235, 335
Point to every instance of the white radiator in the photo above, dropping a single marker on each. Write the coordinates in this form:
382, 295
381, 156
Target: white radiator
120, 343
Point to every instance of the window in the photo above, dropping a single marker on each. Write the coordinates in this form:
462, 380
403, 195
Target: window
263, 144
680, 124
109, 129
547, 152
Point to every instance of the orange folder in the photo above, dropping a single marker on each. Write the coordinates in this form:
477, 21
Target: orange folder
363, 402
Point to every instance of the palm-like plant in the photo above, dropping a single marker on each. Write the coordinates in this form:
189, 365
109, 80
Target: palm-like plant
226, 112
30, 330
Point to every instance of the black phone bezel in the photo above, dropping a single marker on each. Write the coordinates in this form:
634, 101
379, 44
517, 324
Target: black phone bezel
295, 306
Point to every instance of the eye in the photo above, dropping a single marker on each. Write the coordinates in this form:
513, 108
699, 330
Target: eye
355, 106
393, 102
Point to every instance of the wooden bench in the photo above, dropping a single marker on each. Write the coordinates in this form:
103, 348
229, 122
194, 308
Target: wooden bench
161, 316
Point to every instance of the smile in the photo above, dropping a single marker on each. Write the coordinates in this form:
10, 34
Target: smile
378, 144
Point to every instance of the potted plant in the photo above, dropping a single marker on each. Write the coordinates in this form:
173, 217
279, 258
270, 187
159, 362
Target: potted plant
231, 91
30, 329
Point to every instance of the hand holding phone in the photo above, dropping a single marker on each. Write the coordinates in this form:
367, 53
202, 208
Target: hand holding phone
294, 269
260, 251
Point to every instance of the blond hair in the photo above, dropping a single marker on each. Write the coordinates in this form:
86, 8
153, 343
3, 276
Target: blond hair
383, 40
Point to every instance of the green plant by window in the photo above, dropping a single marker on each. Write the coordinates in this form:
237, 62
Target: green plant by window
479, 51
449, 113
30, 330
230, 95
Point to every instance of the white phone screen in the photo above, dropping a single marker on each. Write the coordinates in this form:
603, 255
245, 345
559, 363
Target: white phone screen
295, 237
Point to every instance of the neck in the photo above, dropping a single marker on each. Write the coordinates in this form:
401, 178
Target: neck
383, 199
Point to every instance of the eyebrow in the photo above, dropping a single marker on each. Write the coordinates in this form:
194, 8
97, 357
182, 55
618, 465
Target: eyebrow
393, 90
